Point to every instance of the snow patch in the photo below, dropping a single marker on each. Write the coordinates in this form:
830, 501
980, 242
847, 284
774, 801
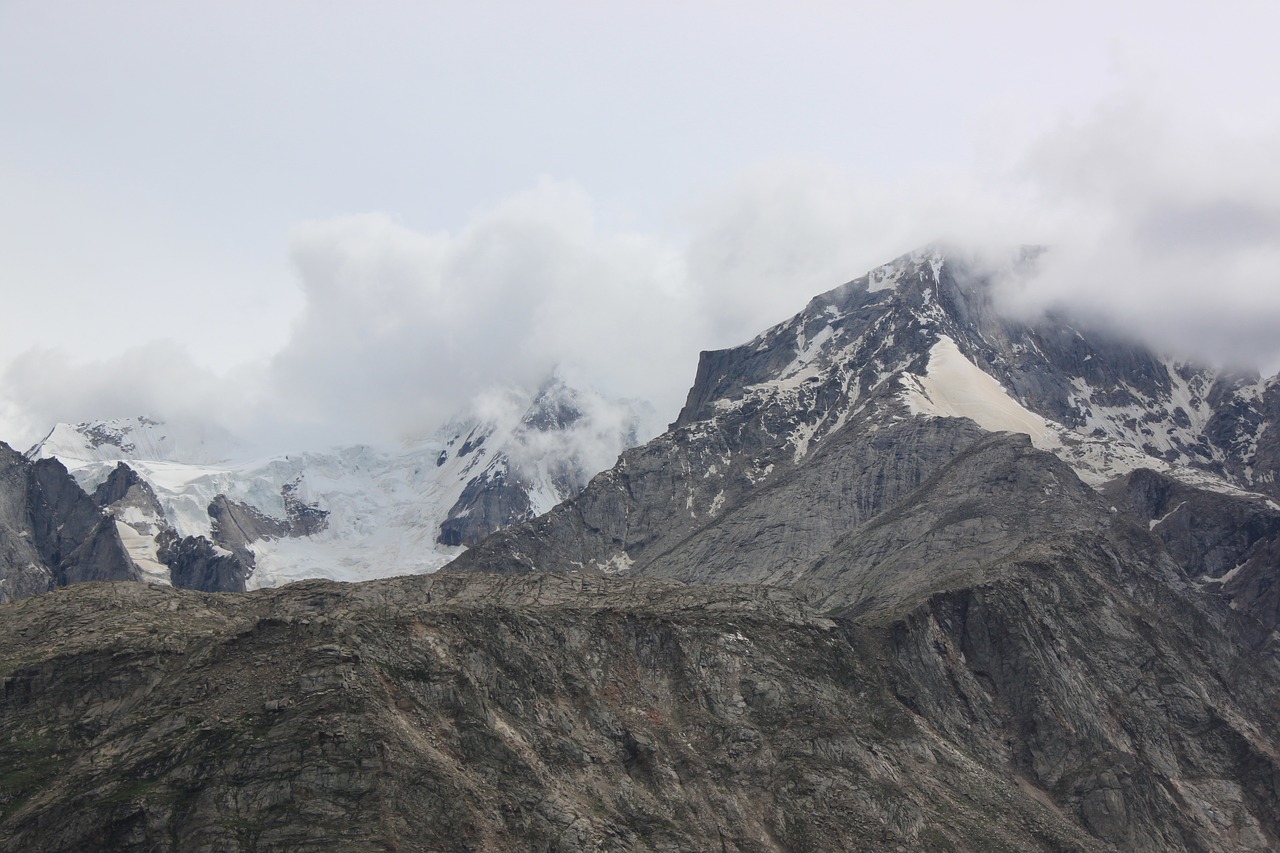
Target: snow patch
1156, 522
955, 387
142, 551
615, 565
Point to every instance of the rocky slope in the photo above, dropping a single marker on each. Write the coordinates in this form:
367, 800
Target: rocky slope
1072, 540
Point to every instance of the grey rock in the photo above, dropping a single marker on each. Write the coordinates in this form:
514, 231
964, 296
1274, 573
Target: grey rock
51, 532
196, 563
1116, 668
236, 525
1228, 544
304, 519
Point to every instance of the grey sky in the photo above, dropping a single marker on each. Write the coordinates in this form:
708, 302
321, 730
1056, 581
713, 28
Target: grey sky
342, 221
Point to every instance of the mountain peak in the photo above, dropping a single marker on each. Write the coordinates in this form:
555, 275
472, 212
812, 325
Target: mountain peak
556, 406
924, 335
139, 437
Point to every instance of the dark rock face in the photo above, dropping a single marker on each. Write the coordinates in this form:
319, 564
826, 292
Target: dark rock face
70, 531
52, 533
196, 563
1125, 700
1229, 544
116, 487
489, 502
236, 524
304, 519
22, 571
224, 563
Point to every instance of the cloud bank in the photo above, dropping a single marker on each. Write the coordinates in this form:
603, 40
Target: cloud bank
1161, 222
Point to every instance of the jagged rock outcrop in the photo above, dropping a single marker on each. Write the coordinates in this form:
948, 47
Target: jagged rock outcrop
70, 532
51, 532
224, 561
196, 563
304, 519
236, 525
1229, 544
495, 499
121, 485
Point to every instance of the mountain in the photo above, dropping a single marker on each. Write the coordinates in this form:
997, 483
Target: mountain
1064, 544
815, 427
905, 573
192, 518
136, 438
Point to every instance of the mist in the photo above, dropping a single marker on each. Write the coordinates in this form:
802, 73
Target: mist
1162, 221
1162, 224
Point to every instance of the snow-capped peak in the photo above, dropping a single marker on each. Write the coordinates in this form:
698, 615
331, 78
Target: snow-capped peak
925, 335
138, 437
889, 276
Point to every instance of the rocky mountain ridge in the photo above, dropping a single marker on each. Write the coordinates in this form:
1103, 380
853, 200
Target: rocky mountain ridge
563, 712
51, 533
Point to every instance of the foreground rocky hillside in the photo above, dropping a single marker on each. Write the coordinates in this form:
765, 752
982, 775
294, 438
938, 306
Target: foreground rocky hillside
1043, 708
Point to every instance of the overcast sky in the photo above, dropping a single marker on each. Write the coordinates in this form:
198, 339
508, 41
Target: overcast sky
327, 222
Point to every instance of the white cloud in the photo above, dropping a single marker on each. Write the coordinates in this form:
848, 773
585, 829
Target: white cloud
1164, 224
400, 329
1163, 220
43, 387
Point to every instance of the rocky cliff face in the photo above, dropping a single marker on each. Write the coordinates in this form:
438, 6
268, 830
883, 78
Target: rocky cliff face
52, 533
220, 561
1225, 543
